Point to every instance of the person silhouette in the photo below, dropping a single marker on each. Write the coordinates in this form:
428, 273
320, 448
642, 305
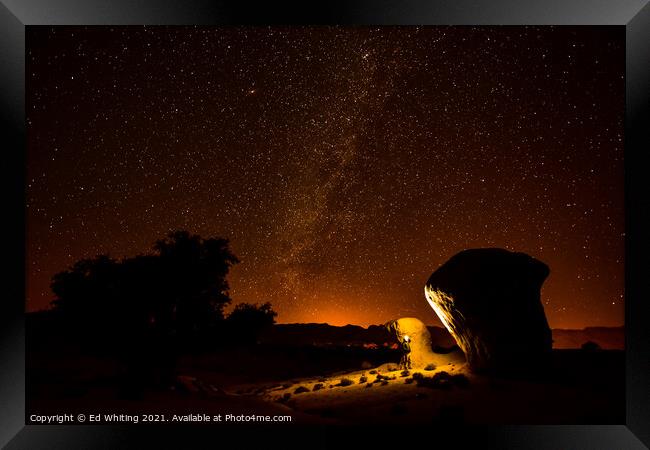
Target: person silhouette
405, 361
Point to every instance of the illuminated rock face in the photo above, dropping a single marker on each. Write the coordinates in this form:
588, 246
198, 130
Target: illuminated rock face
489, 300
420, 340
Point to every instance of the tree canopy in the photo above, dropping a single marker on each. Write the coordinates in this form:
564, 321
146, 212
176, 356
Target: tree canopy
179, 288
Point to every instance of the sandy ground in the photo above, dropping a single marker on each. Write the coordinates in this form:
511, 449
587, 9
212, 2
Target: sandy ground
576, 395
581, 387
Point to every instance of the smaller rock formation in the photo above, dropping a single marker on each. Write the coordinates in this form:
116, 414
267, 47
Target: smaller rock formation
489, 300
420, 338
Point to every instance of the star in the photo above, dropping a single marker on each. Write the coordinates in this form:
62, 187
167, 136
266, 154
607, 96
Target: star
344, 164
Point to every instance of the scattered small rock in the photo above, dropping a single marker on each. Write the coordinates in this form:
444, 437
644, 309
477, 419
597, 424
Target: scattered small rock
363, 379
285, 398
345, 382
442, 380
430, 367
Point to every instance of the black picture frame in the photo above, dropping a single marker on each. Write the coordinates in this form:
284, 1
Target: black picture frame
634, 15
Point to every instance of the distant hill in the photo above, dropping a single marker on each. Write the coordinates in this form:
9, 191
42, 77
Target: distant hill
605, 337
299, 334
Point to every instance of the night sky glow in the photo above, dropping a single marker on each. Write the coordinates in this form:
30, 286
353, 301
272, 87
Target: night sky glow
344, 164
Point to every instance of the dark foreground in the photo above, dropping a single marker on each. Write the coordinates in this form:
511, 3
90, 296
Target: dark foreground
581, 387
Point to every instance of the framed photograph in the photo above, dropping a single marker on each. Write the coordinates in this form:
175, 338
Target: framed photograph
342, 225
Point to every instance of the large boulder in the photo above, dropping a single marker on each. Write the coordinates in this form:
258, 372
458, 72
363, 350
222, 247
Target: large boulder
489, 300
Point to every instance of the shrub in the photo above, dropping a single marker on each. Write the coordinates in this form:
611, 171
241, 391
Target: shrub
300, 390
252, 317
590, 346
345, 382
363, 379
405, 373
318, 387
430, 367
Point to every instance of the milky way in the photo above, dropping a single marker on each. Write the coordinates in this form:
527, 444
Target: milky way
344, 164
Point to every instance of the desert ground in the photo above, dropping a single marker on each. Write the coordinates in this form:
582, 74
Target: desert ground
339, 383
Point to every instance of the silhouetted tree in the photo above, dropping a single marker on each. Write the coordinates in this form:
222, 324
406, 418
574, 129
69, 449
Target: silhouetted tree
146, 306
195, 271
249, 320
87, 296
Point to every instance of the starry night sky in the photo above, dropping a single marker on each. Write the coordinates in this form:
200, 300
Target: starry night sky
344, 164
